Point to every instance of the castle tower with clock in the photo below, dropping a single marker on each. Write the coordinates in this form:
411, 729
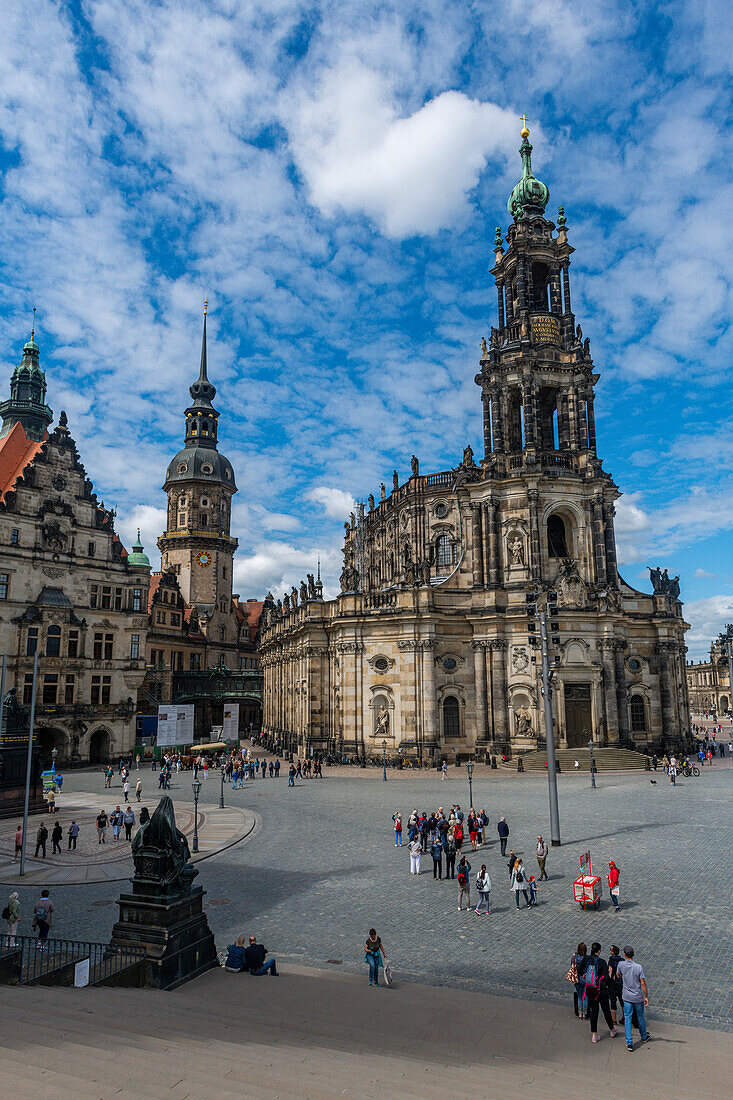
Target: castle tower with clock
197, 545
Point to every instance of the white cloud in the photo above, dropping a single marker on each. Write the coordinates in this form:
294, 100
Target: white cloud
707, 618
277, 566
337, 503
409, 174
702, 573
151, 522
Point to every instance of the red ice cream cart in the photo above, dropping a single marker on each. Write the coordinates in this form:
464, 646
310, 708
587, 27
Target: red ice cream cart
587, 888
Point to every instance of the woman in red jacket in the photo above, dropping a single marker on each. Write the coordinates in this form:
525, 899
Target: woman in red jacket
613, 877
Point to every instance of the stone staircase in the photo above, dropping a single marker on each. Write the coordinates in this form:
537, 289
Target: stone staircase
606, 760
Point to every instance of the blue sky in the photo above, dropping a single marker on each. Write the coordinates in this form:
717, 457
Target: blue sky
331, 175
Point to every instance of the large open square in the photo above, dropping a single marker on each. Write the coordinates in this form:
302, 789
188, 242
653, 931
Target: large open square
321, 867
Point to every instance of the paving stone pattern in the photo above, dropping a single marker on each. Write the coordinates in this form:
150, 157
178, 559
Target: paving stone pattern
323, 867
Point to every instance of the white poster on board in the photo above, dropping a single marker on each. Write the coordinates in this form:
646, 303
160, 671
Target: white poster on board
175, 724
81, 973
230, 728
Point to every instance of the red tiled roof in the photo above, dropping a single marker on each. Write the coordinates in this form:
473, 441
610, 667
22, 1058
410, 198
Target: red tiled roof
16, 452
155, 579
253, 611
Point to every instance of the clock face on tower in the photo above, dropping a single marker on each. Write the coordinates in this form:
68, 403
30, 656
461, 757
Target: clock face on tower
203, 558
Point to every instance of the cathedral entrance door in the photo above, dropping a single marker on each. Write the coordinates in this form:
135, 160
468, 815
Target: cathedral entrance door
578, 721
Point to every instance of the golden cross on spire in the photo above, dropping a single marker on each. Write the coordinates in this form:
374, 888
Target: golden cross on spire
206, 305
525, 128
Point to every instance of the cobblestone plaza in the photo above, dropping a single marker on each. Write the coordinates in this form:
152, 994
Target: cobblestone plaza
321, 867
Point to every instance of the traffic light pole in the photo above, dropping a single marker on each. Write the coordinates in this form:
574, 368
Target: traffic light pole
550, 731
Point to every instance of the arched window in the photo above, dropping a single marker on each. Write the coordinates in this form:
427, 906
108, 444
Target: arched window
638, 714
222, 634
53, 641
451, 717
557, 545
443, 551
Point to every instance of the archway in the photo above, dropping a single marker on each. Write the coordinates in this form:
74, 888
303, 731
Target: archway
723, 703
99, 747
47, 740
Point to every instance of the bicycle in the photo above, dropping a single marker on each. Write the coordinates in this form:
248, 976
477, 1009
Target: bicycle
691, 769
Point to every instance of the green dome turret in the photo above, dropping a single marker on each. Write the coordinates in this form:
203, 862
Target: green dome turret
530, 195
138, 555
27, 404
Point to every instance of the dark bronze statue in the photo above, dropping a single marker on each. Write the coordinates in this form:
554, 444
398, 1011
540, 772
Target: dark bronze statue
160, 851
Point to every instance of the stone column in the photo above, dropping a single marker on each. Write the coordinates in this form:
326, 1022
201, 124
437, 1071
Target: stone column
591, 423
491, 541
534, 534
555, 302
521, 278
529, 282
609, 543
509, 298
530, 415
610, 696
573, 433
500, 293
563, 421
496, 563
497, 421
621, 692
479, 673
566, 287
428, 678
476, 541
486, 401
598, 538
666, 687
499, 691
582, 423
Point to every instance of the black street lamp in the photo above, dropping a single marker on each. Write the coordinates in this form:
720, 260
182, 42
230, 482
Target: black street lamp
384, 761
592, 763
221, 792
469, 768
196, 791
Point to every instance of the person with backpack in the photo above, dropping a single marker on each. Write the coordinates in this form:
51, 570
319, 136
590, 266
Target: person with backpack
464, 883
519, 882
473, 828
458, 835
615, 985
73, 835
42, 918
397, 820
11, 914
483, 886
575, 974
41, 838
436, 851
596, 992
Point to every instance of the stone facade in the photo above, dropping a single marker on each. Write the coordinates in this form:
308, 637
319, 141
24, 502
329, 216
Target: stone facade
708, 683
432, 645
67, 588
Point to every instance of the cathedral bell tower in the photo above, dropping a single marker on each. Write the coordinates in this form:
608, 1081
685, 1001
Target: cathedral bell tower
200, 484
537, 383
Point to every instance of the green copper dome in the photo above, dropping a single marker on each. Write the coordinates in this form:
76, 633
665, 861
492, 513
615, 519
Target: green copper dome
138, 555
530, 195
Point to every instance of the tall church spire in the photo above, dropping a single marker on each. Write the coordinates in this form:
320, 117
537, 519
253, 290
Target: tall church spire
27, 403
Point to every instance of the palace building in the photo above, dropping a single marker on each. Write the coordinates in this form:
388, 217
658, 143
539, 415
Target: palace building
113, 640
708, 683
430, 648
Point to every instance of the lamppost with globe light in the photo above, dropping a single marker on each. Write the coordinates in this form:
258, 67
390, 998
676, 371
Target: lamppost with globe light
469, 768
221, 792
196, 785
384, 761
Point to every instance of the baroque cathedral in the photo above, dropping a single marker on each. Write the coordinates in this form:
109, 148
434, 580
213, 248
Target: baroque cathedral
431, 647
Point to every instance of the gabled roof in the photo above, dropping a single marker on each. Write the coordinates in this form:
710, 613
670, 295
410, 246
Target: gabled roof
253, 611
16, 452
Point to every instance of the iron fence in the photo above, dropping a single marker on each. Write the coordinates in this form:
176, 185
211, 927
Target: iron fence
24, 960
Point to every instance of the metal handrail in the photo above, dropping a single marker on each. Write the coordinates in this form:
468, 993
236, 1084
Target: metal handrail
37, 962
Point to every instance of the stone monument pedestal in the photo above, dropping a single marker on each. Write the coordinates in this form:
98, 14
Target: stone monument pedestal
163, 914
175, 936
